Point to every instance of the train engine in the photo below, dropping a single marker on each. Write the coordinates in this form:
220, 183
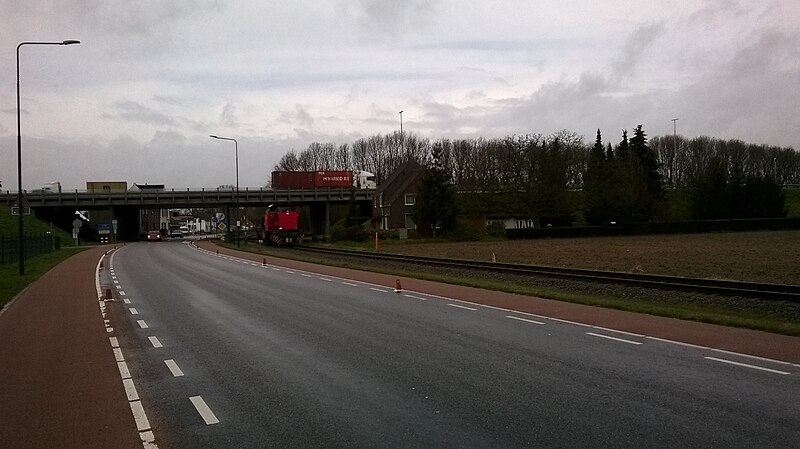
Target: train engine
282, 227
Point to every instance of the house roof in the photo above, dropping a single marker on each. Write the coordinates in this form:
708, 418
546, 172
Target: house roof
398, 182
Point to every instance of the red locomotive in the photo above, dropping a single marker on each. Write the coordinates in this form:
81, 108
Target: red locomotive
282, 227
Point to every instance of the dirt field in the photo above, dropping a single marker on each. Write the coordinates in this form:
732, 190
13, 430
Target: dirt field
748, 256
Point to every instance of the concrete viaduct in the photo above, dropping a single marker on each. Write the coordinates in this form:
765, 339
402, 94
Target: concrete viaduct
59, 207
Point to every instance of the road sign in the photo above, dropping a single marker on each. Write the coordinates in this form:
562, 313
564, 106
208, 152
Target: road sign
221, 226
76, 224
25, 210
103, 229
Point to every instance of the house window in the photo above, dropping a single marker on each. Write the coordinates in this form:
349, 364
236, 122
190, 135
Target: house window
410, 222
410, 199
106, 188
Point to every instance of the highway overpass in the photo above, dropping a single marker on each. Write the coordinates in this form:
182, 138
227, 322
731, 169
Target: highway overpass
60, 207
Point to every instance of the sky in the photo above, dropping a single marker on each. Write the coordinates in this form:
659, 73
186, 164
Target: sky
137, 100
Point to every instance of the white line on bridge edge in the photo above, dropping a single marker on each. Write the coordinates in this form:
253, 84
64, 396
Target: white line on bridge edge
731, 362
614, 338
205, 412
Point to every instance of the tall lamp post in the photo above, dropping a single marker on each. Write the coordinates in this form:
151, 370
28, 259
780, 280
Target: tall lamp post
236, 148
402, 146
20, 207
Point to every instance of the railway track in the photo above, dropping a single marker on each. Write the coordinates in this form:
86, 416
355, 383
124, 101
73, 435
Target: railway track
697, 285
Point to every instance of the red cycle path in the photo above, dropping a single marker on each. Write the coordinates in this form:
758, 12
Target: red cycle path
59, 382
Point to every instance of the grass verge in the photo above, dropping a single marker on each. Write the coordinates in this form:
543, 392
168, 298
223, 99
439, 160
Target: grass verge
706, 313
11, 283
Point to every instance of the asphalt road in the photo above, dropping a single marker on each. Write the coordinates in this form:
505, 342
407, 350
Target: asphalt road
274, 357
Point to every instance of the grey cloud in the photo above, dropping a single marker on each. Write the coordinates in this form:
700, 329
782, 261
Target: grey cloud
136, 112
635, 49
388, 20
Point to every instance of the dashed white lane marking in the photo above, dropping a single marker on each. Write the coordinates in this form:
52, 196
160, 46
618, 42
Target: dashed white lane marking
524, 319
118, 355
130, 390
350, 284
731, 362
142, 324
114, 342
142, 423
462, 307
116, 281
203, 409
290, 272
173, 368
416, 297
622, 340
126, 300
378, 289
133, 311
325, 279
305, 275
155, 342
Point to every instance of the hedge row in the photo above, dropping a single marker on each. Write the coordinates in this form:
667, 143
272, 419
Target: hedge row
661, 227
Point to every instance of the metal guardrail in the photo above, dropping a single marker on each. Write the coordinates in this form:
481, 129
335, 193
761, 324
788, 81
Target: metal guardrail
185, 198
698, 285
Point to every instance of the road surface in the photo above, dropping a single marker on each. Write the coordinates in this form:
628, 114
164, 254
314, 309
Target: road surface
225, 352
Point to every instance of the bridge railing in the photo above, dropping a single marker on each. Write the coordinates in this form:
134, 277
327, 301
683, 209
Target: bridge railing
168, 198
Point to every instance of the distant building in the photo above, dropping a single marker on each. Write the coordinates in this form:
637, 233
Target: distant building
106, 186
393, 202
146, 187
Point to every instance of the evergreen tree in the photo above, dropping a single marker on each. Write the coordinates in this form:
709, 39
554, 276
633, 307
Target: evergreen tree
595, 184
435, 205
551, 200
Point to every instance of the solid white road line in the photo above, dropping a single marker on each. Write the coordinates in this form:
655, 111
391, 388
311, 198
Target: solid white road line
461, 307
731, 362
155, 342
613, 338
173, 368
142, 423
133, 311
205, 412
523, 319
123, 370
130, 390
142, 324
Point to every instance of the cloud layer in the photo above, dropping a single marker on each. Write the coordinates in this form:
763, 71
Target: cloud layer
151, 80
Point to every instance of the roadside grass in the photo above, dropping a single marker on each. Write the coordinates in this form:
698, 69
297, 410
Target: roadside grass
11, 283
706, 313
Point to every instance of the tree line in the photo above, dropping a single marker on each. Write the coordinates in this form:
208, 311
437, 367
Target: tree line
539, 174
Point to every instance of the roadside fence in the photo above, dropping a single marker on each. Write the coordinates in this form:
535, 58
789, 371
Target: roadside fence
34, 245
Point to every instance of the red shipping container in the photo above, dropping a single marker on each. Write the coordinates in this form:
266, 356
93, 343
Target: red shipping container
333, 179
292, 180
311, 179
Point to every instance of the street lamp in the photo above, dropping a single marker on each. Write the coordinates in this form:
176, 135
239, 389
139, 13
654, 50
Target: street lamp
20, 207
236, 148
402, 146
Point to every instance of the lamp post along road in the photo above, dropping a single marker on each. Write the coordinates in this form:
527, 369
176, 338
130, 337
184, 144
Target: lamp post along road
238, 215
20, 199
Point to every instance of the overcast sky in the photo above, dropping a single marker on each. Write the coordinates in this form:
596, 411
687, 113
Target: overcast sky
138, 98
